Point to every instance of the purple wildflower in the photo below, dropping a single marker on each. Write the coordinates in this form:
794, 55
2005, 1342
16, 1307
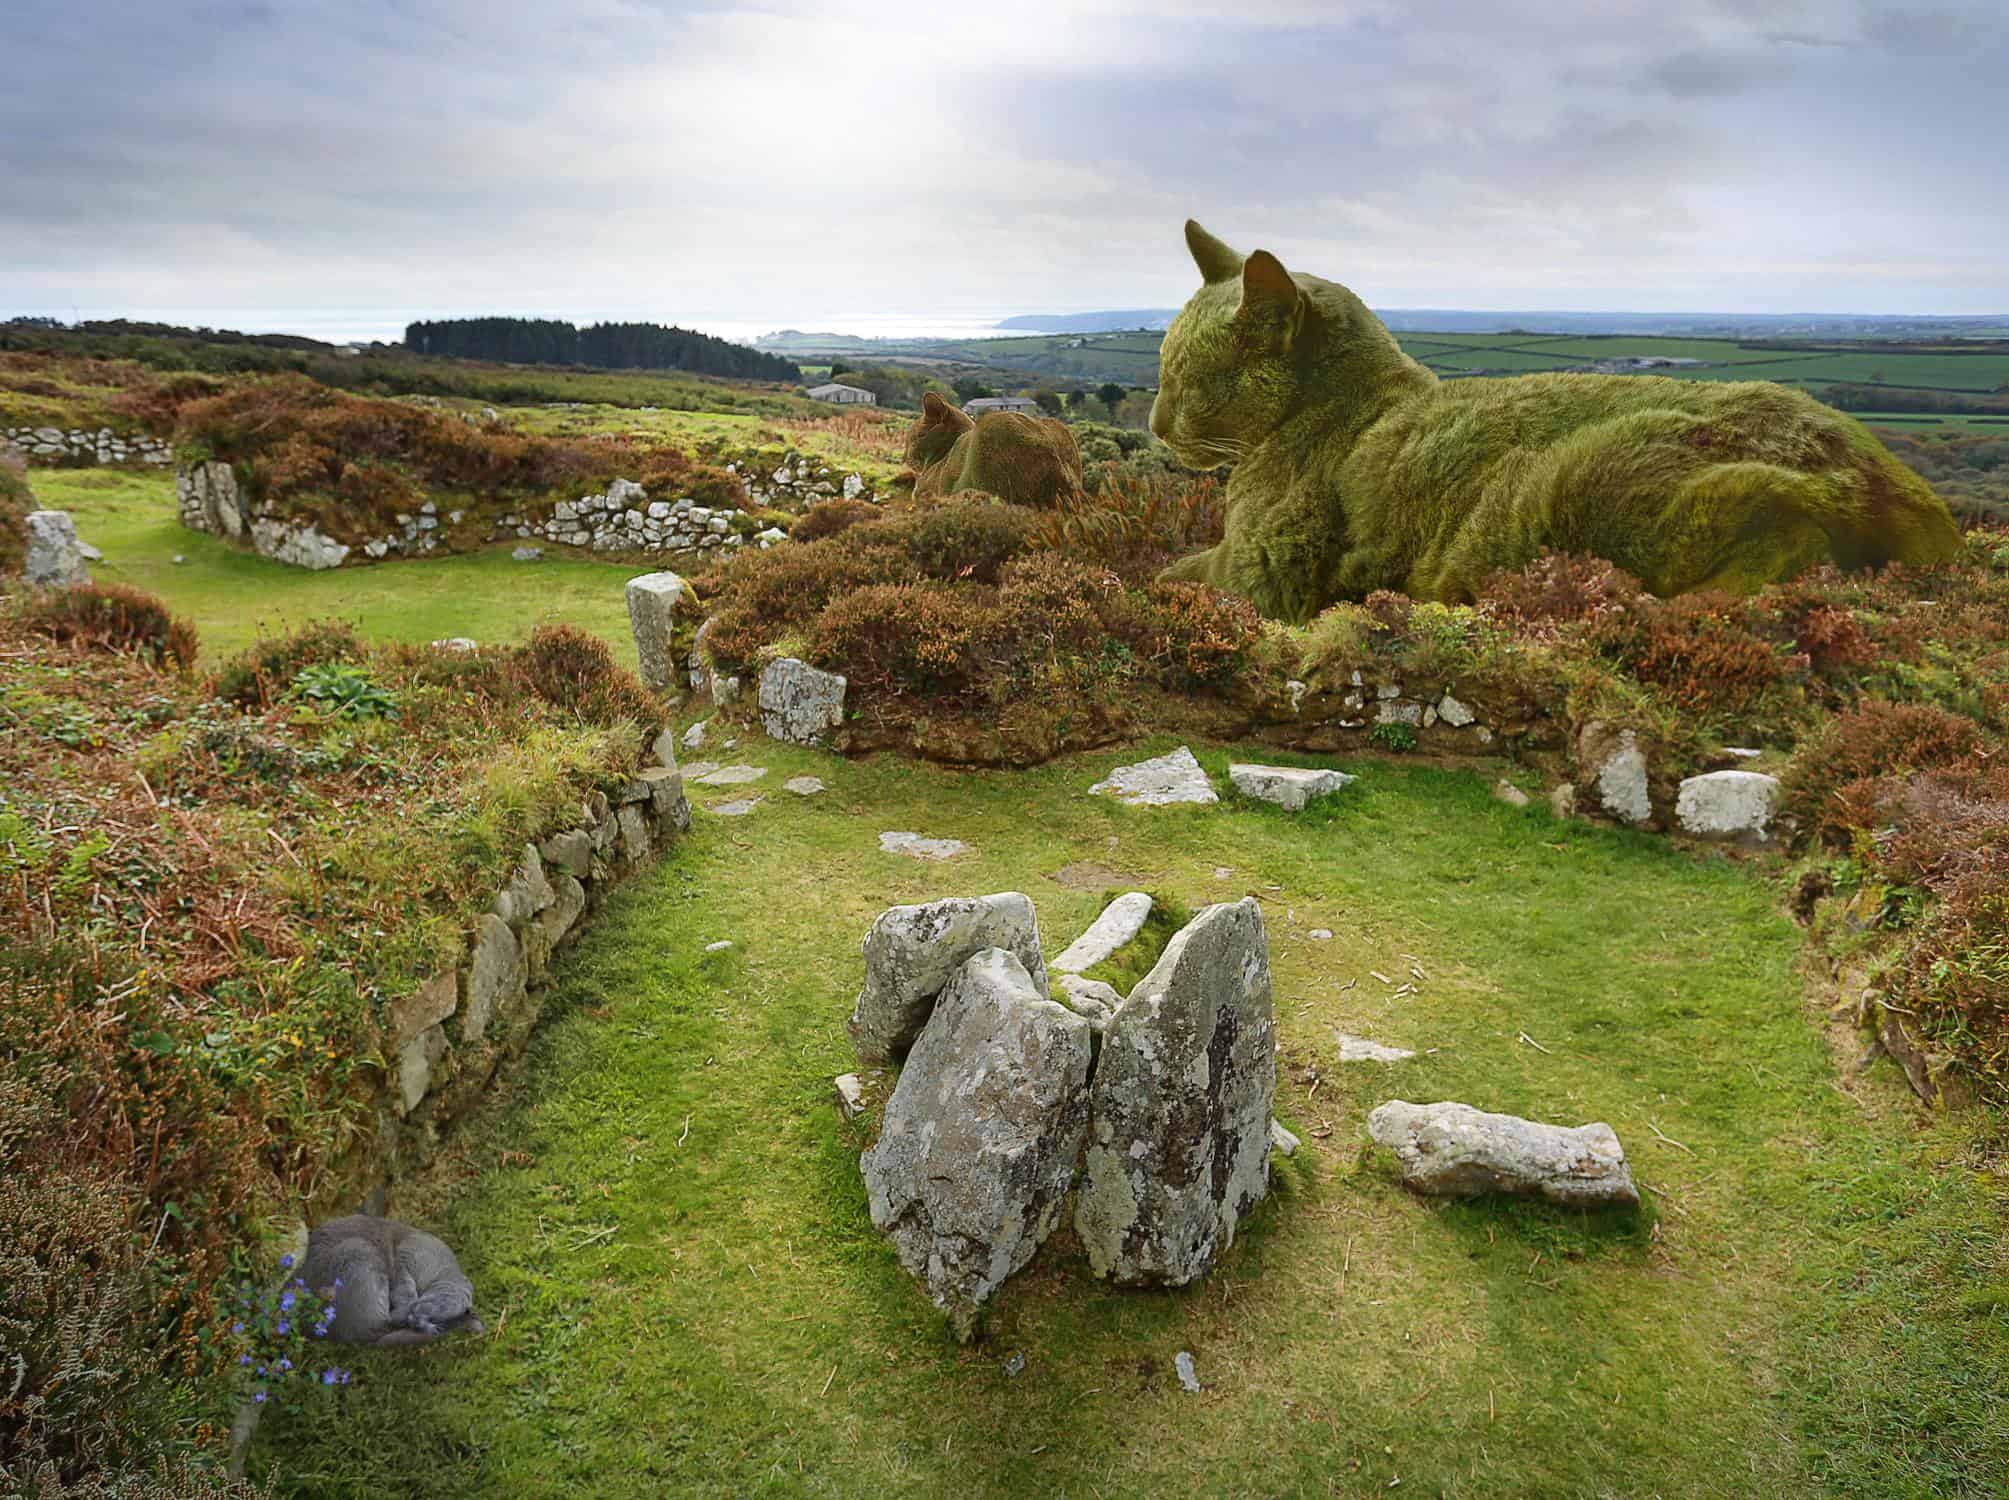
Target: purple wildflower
259, 1397
327, 1377
285, 1262
286, 1302
284, 1328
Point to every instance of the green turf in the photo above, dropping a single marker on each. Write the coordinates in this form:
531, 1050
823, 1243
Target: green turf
668, 1236
234, 596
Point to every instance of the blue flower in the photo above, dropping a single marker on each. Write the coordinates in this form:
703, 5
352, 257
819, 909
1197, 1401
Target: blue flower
338, 1283
286, 1302
345, 1377
284, 1328
285, 1364
244, 1359
261, 1369
259, 1397
327, 1377
285, 1262
237, 1328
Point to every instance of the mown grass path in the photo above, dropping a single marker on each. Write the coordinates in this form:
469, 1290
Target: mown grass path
668, 1236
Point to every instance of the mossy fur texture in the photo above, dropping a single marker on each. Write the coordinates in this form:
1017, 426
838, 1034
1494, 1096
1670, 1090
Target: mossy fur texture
1355, 470
1023, 460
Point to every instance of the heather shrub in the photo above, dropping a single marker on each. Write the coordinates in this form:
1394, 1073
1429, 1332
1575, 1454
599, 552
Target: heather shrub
1191, 635
758, 597
828, 517
263, 674
15, 502
1872, 740
969, 536
1135, 524
909, 638
1707, 652
573, 670
113, 617
1556, 589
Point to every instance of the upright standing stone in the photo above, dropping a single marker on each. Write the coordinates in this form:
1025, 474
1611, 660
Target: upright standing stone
652, 606
911, 953
1179, 1131
55, 557
981, 1135
798, 702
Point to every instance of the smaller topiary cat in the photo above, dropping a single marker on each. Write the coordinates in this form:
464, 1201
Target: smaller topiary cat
398, 1285
1356, 470
1023, 460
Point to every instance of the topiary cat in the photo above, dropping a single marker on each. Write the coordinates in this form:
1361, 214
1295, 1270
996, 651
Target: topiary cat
1355, 470
1022, 460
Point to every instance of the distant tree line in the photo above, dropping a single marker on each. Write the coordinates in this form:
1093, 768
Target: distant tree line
606, 346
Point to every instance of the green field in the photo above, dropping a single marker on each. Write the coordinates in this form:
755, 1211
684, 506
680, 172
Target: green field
667, 1231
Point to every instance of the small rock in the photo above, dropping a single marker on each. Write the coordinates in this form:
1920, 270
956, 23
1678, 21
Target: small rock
1451, 1150
1454, 713
799, 704
732, 776
528, 554
698, 769
850, 1095
457, 643
1288, 787
1167, 779
694, 737
1563, 801
1505, 791
1091, 999
1281, 1140
913, 845
803, 786
738, 808
1182, 1362
721, 946
1320, 934
1015, 1366
55, 558
1121, 920
179, 559
1360, 1049
1728, 805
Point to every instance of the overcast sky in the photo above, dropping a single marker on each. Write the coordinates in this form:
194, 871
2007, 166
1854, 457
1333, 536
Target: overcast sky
773, 163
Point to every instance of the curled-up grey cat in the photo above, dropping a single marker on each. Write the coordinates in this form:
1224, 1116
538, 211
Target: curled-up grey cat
391, 1284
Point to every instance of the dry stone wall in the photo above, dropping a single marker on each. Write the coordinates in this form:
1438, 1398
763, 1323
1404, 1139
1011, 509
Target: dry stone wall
87, 445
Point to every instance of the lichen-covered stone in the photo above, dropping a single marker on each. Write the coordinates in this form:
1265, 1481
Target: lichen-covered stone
1160, 781
1121, 920
570, 851
55, 558
1289, 787
1616, 767
496, 979
1179, 1134
652, 608
568, 901
1728, 805
416, 1061
527, 893
799, 703
429, 1004
912, 951
981, 1135
1452, 1150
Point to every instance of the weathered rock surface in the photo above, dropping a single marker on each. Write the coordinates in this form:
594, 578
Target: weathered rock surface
1505, 791
1121, 921
570, 851
210, 499
798, 702
527, 893
1091, 999
981, 1135
916, 847
738, 808
429, 1004
1616, 767
495, 979
652, 608
1283, 1141
298, 546
1179, 1136
1728, 805
1161, 781
1362, 1049
912, 951
55, 558
803, 786
1290, 787
731, 776
1451, 1150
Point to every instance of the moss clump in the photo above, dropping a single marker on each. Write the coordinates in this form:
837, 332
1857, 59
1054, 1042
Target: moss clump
1355, 470
1125, 969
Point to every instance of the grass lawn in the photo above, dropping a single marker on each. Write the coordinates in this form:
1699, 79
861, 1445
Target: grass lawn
668, 1236
235, 596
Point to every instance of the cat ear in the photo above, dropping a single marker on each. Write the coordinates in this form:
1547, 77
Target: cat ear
1269, 296
1216, 259
935, 412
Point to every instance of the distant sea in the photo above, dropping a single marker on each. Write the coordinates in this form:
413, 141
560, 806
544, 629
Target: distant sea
340, 326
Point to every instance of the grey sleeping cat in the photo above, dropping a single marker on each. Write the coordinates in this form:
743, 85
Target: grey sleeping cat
399, 1285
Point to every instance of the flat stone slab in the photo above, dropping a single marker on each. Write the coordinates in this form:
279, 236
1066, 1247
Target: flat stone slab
1728, 805
803, 786
917, 847
1289, 787
738, 808
1451, 1150
699, 768
1121, 920
1160, 782
1360, 1049
732, 776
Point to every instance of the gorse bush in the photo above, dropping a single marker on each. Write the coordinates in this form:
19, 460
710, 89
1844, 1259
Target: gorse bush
113, 617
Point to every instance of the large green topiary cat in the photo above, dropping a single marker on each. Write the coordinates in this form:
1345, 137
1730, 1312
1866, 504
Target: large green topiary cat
1355, 470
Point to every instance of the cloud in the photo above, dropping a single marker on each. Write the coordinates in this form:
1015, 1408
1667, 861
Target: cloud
780, 160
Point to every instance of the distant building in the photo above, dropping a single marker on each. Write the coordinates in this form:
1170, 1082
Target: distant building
983, 404
843, 395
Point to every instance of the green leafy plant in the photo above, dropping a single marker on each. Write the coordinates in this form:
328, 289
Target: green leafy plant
1400, 738
346, 690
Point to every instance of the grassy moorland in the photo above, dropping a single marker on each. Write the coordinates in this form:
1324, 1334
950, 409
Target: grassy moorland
233, 597
668, 1235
